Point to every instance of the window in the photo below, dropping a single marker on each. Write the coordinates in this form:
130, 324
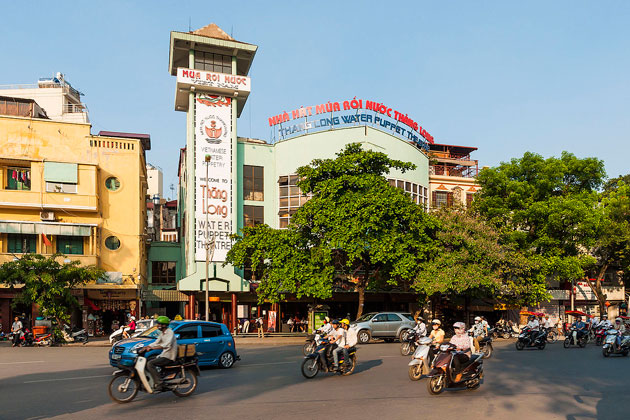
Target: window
253, 183
291, 198
112, 243
417, 192
393, 318
163, 272
187, 332
442, 199
213, 62
21, 244
112, 183
469, 199
380, 318
70, 245
60, 187
209, 331
18, 179
254, 215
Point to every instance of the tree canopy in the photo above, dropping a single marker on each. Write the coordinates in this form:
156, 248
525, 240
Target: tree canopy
47, 282
356, 227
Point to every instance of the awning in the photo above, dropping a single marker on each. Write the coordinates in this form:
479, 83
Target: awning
65, 229
164, 296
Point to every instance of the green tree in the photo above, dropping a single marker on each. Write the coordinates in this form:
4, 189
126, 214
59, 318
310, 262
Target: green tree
545, 209
47, 282
356, 226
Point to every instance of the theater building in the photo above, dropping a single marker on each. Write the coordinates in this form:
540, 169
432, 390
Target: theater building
251, 181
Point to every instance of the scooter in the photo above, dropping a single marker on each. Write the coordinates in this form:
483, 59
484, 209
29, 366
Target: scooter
420, 363
118, 335
616, 344
525, 339
180, 378
575, 337
25, 339
312, 342
442, 376
409, 344
316, 362
74, 334
485, 346
44, 340
600, 334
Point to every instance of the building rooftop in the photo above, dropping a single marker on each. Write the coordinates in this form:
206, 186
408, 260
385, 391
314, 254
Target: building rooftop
213, 31
144, 138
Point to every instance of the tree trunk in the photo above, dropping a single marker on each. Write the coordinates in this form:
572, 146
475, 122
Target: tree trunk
597, 288
361, 290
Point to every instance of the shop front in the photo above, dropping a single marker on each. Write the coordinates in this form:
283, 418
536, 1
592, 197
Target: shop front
105, 310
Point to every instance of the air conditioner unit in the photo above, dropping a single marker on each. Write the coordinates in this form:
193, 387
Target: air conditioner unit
47, 215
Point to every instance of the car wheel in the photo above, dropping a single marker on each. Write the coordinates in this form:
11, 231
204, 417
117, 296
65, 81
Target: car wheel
364, 336
226, 360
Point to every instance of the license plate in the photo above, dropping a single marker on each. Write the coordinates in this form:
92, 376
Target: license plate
116, 356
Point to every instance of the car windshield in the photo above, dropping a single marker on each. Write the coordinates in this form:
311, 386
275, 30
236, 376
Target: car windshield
152, 332
366, 317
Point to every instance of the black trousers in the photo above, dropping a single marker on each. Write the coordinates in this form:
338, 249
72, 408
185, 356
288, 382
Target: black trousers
459, 360
16, 337
158, 361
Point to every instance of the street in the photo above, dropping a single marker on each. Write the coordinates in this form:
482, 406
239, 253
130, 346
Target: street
557, 383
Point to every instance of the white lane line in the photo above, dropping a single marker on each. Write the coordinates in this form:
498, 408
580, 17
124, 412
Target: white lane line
67, 379
15, 363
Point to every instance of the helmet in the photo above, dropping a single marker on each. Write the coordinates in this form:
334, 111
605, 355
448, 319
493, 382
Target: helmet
459, 325
335, 321
477, 318
618, 320
133, 318
163, 320
436, 321
604, 316
345, 321
326, 319
531, 317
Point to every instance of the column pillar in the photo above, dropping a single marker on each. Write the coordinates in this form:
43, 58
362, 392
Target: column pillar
191, 306
234, 326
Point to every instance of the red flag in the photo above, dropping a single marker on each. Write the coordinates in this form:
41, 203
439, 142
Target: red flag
46, 241
14, 175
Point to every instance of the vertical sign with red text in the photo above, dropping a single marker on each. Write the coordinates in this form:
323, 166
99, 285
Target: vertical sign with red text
213, 138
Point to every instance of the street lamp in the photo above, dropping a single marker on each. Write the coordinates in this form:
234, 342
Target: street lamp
205, 201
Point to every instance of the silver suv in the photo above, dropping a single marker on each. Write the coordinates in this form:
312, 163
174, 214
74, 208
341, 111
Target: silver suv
386, 325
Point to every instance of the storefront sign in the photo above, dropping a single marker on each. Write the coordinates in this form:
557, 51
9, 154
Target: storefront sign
583, 291
333, 114
213, 137
214, 81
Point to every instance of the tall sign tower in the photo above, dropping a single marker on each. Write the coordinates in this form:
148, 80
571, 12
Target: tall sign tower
212, 87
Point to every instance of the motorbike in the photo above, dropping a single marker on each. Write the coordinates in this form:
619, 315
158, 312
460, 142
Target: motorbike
45, 340
600, 334
420, 363
409, 344
118, 335
180, 378
525, 339
312, 342
442, 376
323, 361
485, 346
576, 337
25, 339
505, 331
552, 335
615, 344
79, 335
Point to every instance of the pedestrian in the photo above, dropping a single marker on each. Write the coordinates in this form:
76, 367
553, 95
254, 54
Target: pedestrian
259, 326
246, 326
16, 329
291, 324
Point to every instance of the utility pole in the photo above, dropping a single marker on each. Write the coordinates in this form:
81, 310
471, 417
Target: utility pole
205, 201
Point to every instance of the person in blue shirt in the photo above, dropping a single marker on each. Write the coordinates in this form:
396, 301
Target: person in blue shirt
580, 328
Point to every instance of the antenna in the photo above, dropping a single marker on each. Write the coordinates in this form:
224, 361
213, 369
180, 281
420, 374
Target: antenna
172, 191
189, 24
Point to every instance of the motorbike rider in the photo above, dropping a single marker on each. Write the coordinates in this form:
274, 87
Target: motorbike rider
338, 340
326, 328
16, 329
463, 342
619, 326
131, 327
478, 331
605, 323
352, 338
534, 327
437, 335
580, 328
420, 328
165, 342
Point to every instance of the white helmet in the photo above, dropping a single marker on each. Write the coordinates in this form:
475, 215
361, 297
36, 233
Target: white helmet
617, 319
436, 321
459, 325
477, 318
133, 318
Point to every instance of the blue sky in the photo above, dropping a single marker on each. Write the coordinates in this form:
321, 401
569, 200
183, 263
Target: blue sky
506, 77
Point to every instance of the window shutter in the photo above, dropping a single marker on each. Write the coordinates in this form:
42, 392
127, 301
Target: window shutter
449, 199
434, 199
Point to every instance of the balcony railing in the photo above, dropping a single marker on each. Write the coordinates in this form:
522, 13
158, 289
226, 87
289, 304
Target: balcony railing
74, 109
458, 171
449, 155
84, 259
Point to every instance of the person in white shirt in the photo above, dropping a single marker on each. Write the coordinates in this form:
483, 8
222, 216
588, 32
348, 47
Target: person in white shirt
420, 328
547, 323
534, 327
326, 328
352, 338
338, 338
605, 322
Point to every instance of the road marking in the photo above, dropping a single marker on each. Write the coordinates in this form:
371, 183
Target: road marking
15, 363
67, 379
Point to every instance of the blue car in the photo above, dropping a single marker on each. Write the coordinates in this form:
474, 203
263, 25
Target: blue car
213, 342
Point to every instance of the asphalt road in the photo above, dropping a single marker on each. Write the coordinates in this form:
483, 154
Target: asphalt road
557, 383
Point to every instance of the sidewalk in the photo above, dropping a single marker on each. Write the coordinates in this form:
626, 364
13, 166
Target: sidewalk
240, 341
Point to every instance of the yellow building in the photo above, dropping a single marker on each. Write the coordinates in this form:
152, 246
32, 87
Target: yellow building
65, 190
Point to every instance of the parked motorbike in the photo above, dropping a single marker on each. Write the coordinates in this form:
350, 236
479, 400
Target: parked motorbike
505, 331
180, 378
71, 335
600, 334
323, 361
615, 343
25, 339
527, 338
552, 335
44, 340
420, 363
442, 376
312, 342
409, 344
575, 337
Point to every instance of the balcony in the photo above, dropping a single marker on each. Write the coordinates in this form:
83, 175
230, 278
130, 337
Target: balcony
23, 199
454, 170
85, 260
